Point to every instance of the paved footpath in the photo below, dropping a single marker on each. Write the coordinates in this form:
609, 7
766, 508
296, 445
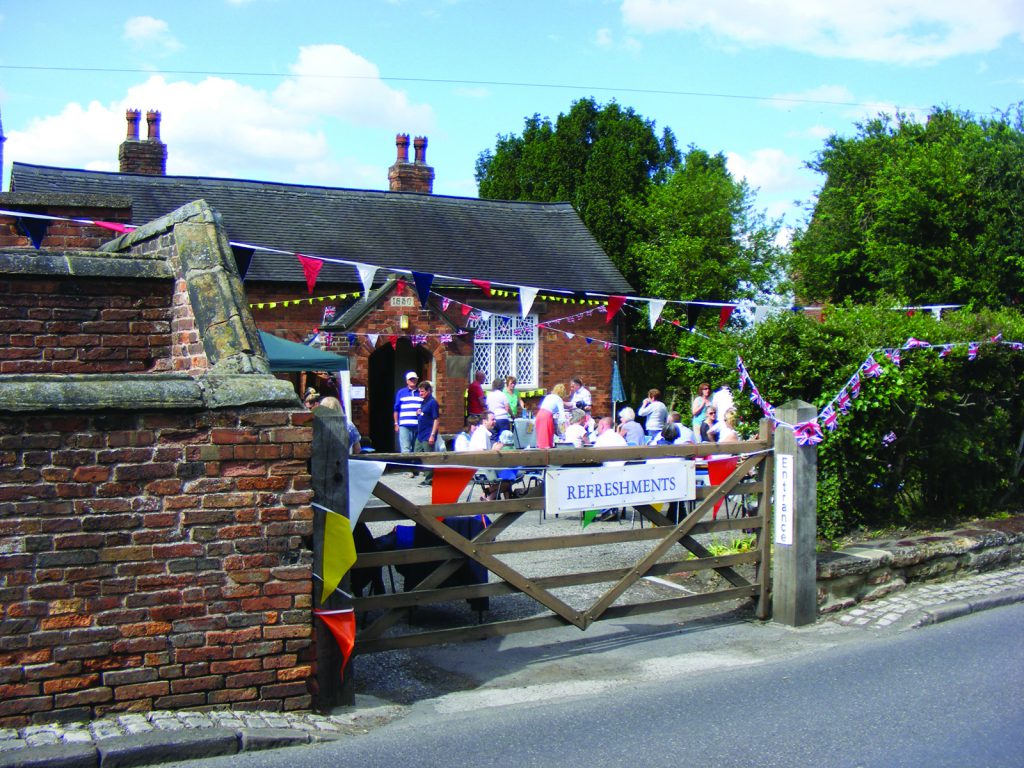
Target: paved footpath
139, 739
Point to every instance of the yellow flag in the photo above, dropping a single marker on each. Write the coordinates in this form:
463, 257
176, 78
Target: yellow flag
339, 552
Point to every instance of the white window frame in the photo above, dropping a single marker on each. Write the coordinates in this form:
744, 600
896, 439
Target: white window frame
530, 339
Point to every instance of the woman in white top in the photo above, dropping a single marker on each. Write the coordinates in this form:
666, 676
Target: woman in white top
725, 429
552, 407
656, 413
497, 403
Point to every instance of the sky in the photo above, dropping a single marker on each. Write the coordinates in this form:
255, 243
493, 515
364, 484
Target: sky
314, 91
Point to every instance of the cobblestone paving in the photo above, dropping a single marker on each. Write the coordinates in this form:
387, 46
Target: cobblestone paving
905, 606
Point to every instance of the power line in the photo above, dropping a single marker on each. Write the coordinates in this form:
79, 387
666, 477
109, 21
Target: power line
446, 81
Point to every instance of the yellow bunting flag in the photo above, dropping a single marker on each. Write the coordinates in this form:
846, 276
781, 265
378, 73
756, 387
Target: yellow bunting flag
339, 552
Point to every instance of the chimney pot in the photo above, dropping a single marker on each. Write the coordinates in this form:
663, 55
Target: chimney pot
153, 124
420, 146
402, 143
132, 116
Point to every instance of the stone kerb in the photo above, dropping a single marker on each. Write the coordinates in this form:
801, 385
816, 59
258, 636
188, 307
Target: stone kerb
154, 526
872, 570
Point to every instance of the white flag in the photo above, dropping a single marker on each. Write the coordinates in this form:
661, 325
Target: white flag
526, 297
654, 307
362, 479
366, 274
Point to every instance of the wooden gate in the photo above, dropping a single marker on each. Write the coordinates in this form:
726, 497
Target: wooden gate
671, 546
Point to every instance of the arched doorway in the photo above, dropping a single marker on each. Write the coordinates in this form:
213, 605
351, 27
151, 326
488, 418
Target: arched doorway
388, 366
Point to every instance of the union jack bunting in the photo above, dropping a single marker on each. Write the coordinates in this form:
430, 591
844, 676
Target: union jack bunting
972, 350
913, 343
446, 338
871, 368
829, 418
755, 396
843, 401
894, 355
445, 303
1016, 345
997, 338
855, 385
768, 410
889, 439
946, 349
419, 338
808, 433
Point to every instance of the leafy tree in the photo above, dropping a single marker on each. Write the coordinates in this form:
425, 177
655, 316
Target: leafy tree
696, 235
595, 157
927, 213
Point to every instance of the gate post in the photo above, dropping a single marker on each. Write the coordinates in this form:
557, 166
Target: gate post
794, 582
329, 471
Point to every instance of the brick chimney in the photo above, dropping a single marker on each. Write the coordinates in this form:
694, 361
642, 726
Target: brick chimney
416, 176
147, 157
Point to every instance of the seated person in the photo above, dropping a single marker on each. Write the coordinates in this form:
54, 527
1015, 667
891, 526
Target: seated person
632, 432
676, 434
464, 438
576, 432
607, 437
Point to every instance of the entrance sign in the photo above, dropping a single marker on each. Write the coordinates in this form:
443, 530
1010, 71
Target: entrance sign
784, 499
620, 485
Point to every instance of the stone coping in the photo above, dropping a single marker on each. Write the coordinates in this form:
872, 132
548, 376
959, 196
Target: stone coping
868, 570
84, 264
135, 392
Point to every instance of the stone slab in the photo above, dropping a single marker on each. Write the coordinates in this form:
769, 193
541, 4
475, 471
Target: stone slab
52, 756
166, 746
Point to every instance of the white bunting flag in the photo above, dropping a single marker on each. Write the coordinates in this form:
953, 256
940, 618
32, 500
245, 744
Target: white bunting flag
362, 479
526, 297
366, 274
654, 307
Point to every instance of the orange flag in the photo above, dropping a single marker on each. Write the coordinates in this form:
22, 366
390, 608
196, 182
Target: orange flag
449, 483
342, 624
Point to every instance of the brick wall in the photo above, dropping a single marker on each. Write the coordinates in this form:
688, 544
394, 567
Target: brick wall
53, 325
153, 560
154, 508
62, 235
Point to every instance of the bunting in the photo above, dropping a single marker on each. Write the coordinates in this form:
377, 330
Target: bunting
311, 269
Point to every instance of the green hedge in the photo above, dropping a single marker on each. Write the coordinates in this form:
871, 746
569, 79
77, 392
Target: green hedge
959, 424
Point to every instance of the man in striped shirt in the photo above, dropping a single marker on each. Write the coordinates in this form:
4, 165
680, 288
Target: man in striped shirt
407, 406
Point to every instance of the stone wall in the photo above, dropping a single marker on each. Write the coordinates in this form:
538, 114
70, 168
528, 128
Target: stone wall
874, 569
154, 508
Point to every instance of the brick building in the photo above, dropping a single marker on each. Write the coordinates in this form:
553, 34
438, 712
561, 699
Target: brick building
508, 244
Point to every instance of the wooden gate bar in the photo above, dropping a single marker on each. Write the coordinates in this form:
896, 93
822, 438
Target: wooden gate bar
491, 563
674, 536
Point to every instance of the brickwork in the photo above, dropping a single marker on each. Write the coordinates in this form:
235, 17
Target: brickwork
153, 560
154, 527
51, 325
61, 235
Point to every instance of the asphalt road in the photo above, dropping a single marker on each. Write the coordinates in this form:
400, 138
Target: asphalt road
944, 695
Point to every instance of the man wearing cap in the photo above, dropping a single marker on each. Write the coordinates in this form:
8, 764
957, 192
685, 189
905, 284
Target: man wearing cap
407, 406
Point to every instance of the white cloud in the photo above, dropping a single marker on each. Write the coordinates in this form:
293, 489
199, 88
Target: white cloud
220, 127
778, 178
897, 31
151, 34
331, 80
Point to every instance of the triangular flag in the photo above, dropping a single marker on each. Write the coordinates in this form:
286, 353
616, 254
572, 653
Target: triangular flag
724, 315
114, 226
588, 517
483, 285
339, 552
372, 338
362, 479
34, 229
526, 297
393, 340
351, 337
342, 624
445, 303
243, 258
399, 287
366, 275
614, 305
466, 309
692, 313
423, 282
449, 483
654, 307
484, 316
311, 269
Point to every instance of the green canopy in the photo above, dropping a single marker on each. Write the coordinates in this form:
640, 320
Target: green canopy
289, 356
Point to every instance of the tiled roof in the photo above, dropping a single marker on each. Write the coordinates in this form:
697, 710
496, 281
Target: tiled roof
537, 244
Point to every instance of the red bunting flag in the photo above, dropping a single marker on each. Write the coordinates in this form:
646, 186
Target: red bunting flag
342, 624
114, 226
724, 315
449, 483
614, 305
394, 341
311, 269
483, 285
399, 287
466, 309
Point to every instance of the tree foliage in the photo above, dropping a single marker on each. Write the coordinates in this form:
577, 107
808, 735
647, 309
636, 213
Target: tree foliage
595, 157
927, 213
